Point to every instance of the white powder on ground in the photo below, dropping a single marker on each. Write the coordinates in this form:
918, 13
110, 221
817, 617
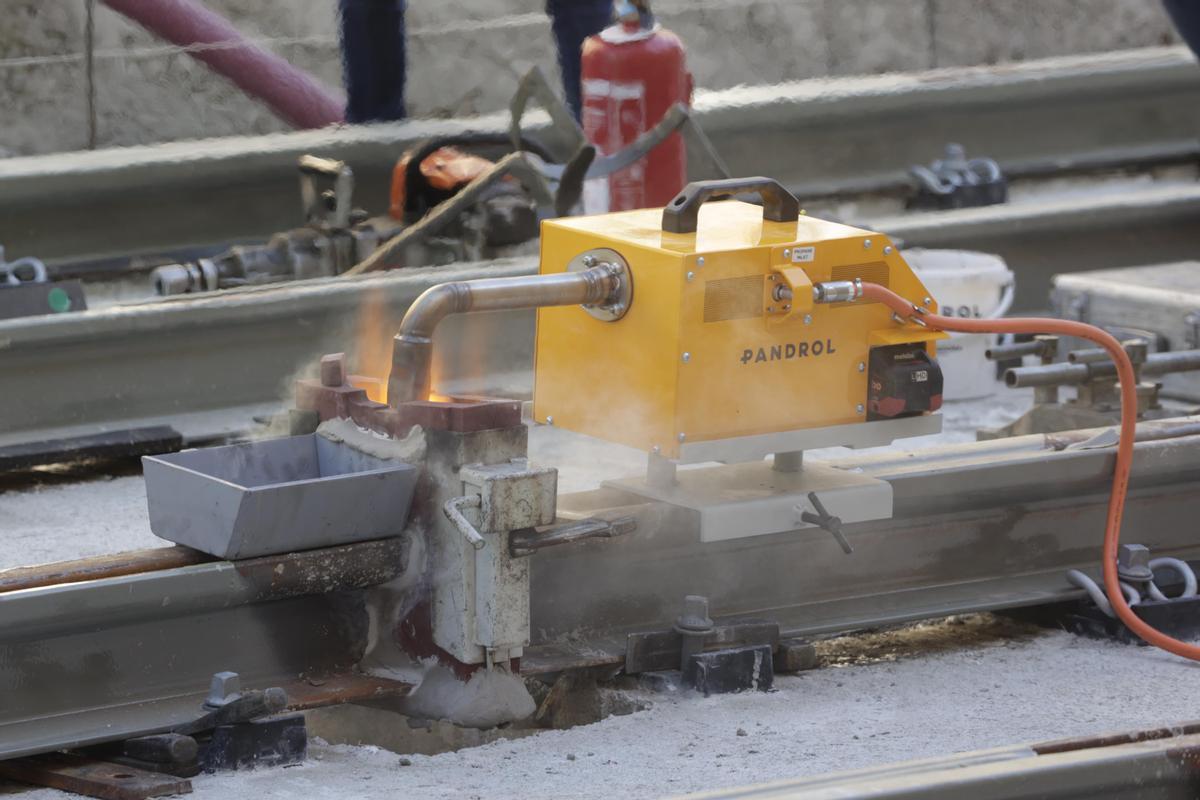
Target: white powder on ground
1001, 692
90, 518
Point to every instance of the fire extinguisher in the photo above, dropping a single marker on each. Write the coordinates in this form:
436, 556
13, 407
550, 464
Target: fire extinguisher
633, 72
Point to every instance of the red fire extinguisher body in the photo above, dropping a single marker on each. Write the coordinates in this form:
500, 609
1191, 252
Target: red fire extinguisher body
632, 76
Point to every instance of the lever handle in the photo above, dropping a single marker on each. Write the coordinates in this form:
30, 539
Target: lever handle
683, 212
823, 519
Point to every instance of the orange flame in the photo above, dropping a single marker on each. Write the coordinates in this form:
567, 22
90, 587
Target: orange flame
371, 355
460, 355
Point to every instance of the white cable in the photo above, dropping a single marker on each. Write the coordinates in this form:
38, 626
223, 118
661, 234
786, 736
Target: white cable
1180, 567
1077, 578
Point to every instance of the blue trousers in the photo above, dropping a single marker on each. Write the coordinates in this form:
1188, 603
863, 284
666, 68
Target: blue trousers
373, 66
1186, 16
573, 21
372, 37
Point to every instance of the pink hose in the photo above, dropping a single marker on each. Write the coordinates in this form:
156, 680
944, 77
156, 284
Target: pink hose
294, 95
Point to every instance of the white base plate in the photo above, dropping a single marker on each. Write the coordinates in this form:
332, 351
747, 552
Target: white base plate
860, 434
740, 500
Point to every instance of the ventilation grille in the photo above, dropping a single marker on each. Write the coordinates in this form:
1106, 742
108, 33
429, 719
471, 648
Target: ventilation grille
733, 298
875, 272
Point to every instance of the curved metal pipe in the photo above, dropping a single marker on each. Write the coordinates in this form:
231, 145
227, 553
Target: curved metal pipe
412, 349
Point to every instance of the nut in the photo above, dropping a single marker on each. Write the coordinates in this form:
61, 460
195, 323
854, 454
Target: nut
1133, 562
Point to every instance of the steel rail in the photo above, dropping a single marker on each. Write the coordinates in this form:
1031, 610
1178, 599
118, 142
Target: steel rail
219, 361
1151, 765
104, 659
209, 366
859, 133
977, 526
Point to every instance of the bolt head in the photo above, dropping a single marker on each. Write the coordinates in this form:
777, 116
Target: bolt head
695, 614
682, 437
787, 253
700, 261
225, 688
549, 420
859, 408
928, 301
686, 357
808, 319
656, 450
589, 261
867, 244
862, 367
691, 276
887, 250
1133, 562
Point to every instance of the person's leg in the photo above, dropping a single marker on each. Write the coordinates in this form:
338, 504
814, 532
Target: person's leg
572, 22
372, 37
1186, 16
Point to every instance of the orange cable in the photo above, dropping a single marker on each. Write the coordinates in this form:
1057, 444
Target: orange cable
1120, 484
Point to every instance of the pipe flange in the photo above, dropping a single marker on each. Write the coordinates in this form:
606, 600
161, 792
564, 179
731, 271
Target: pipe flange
619, 301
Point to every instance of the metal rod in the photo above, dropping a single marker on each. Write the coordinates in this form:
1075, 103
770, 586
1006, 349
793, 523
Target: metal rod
453, 509
89, 38
1003, 352
1088, 356
1059, 374
412, 349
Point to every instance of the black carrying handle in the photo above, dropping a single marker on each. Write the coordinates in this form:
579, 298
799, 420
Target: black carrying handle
681, 214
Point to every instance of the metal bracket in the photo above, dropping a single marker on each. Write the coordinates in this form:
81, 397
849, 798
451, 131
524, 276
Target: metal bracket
314, 202
617, 304
530, 540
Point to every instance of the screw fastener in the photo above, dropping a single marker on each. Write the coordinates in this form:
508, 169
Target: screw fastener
549, 420
787, 253
700, 261
687, 357
682, 436
691, 275
589, 261
866, 244
928, 301
862, 367
808, 319
859, 408
887, 250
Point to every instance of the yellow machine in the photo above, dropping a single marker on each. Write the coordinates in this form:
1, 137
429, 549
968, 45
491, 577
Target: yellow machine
715, 333
736, 334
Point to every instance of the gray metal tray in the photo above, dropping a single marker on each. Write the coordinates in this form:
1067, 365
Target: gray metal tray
276, 496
